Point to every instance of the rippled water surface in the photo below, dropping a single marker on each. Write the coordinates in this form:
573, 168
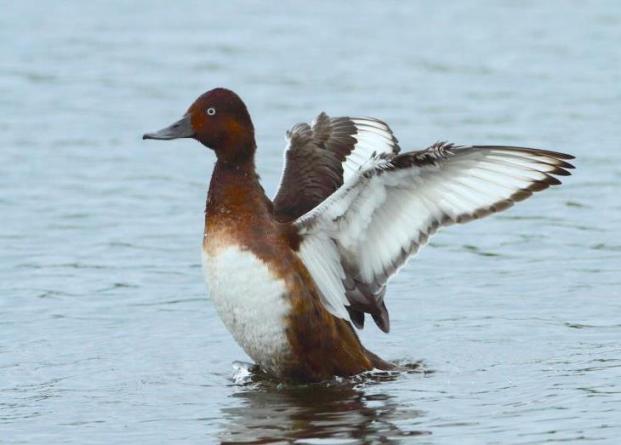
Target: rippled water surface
107, 334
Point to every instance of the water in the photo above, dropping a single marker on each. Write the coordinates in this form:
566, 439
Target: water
106, 332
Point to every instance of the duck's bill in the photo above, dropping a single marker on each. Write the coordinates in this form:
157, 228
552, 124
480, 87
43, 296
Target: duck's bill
180, 129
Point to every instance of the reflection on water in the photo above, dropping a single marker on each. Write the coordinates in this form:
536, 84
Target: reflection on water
353, 410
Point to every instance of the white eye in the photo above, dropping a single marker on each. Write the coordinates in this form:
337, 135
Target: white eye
211, 111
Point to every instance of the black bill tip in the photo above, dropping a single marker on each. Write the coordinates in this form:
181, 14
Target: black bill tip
180, 129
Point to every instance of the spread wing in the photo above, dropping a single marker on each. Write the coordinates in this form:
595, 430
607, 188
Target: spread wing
322, 156
356, 239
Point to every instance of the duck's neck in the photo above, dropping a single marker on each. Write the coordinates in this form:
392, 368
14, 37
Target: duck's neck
235, 191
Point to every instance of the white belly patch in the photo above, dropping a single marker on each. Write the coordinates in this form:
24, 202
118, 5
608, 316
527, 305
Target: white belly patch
251, 302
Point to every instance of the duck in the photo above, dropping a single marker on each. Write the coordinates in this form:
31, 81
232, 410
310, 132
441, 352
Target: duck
294, 277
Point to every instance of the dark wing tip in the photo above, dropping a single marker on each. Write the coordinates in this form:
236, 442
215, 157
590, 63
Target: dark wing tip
381, 318
540, 151
357, 317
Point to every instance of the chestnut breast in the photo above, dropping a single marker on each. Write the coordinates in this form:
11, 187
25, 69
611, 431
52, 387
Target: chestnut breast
244, 260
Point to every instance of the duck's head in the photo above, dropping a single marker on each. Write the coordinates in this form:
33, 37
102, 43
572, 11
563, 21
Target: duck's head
219, 120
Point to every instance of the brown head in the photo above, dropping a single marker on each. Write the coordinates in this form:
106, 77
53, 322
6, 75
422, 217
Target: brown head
219, 120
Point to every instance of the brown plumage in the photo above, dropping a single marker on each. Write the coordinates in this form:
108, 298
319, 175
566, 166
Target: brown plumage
321, 345
350, 210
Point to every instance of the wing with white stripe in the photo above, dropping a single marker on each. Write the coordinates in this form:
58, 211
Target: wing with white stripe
322, 156
377, 220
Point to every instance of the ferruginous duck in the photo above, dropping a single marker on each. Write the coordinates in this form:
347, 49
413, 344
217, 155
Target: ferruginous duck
293, 277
